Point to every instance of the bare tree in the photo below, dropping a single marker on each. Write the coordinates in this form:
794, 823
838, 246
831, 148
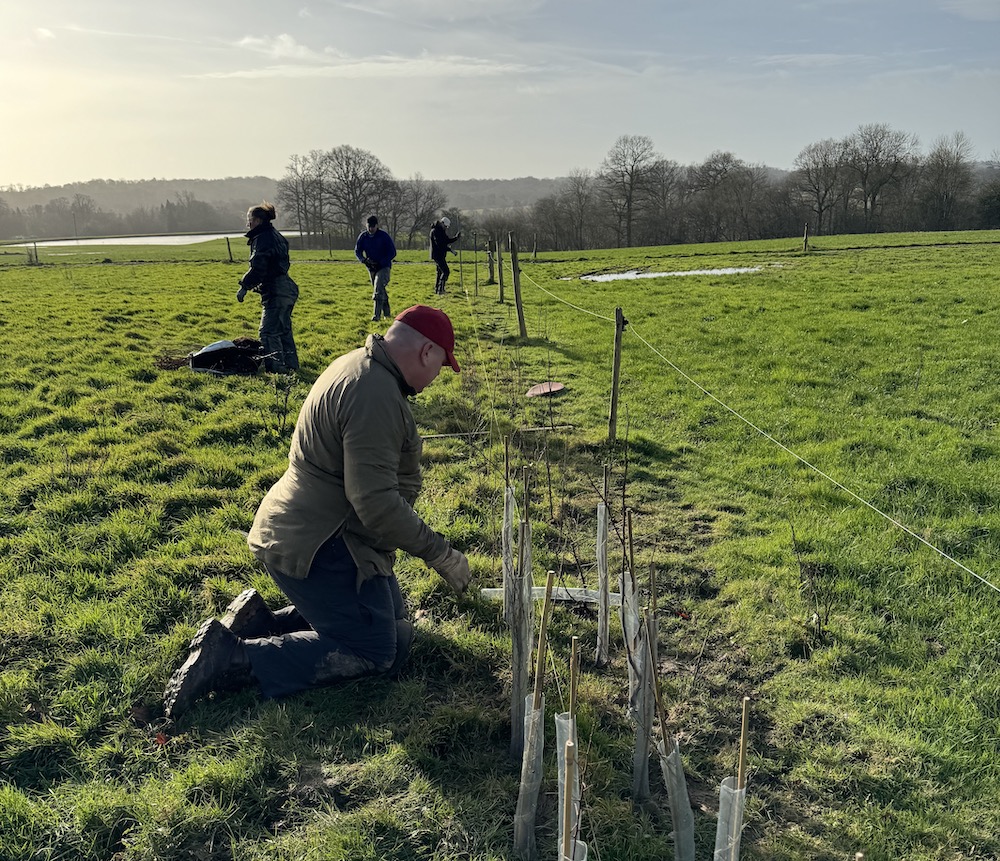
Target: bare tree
421, 201
712, 210
577, 202
662, 223
357, 183
879, 157
624, 176
946, 180
819, 175
302, 191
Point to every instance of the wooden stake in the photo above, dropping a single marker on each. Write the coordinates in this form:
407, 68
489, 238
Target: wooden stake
542, 640
603, 597
741, 774
631, 545
616, 367
661, 712
526, 480
475, 258
517, 285
652, 588
500, 270
574, 675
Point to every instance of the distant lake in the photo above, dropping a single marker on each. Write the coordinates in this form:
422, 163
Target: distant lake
171, 239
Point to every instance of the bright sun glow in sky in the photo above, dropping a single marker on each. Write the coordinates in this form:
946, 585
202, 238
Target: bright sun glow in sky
455, 89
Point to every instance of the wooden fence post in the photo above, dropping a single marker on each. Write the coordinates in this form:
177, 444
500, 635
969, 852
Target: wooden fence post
517, 285
491, 276
616, 366
500, 270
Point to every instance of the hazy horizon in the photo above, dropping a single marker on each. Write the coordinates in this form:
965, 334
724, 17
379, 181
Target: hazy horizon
535, 88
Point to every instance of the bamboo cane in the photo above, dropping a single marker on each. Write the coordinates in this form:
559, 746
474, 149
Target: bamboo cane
540, 662
661, 712
574, 673
741, 774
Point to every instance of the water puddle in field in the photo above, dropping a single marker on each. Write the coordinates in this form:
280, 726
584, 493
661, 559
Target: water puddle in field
634, 274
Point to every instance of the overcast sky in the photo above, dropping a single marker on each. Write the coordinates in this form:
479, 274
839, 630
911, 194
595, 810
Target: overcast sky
456, 89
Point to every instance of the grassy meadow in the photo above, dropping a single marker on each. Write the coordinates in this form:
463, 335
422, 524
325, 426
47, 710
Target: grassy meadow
810, 455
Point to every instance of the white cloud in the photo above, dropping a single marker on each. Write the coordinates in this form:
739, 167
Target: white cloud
44, 33
975, 10
814, 61
379, 67
283, 47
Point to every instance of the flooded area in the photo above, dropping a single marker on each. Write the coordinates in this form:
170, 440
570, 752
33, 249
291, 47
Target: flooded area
163, 239
635, 273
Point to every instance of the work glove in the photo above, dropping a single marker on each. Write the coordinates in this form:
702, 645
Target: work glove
454, 568
241, 294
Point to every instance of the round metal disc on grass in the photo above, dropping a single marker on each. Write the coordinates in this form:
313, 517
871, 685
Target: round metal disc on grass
547, 388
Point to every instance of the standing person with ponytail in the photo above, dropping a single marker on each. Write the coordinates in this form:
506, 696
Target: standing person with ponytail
268, 276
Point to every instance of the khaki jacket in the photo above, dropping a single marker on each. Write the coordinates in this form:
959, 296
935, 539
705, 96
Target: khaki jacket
353, 470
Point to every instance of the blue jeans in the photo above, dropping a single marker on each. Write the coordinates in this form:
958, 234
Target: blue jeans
380, 293
347, 632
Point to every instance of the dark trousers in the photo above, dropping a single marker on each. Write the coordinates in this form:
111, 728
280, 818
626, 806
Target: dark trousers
443, 271
276, 335
380, 293
345, 632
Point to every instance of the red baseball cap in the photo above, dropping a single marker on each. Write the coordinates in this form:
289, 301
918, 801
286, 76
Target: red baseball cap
434, 325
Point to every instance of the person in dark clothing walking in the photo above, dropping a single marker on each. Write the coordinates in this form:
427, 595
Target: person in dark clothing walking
376, 250
440, 246
268, 276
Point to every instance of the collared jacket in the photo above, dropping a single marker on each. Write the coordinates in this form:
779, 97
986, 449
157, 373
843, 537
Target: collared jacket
353, 470
441, 241
377, 247
269, 264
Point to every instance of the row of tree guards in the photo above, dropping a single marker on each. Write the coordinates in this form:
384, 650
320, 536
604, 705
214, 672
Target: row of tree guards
639, 635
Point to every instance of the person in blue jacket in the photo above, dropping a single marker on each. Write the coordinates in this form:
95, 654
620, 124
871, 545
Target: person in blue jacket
268, 276
376, 250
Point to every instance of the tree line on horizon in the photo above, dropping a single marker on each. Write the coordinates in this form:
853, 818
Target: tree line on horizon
876, 179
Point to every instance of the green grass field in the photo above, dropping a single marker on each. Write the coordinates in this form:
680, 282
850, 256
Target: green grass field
776, 432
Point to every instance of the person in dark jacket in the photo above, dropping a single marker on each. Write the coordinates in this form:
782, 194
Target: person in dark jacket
328, 531
440, 246
376, 250
268, 276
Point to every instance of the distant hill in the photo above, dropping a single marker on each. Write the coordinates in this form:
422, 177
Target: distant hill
235, 194
475, 195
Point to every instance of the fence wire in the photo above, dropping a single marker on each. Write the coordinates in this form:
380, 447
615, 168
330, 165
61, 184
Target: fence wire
673, 366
